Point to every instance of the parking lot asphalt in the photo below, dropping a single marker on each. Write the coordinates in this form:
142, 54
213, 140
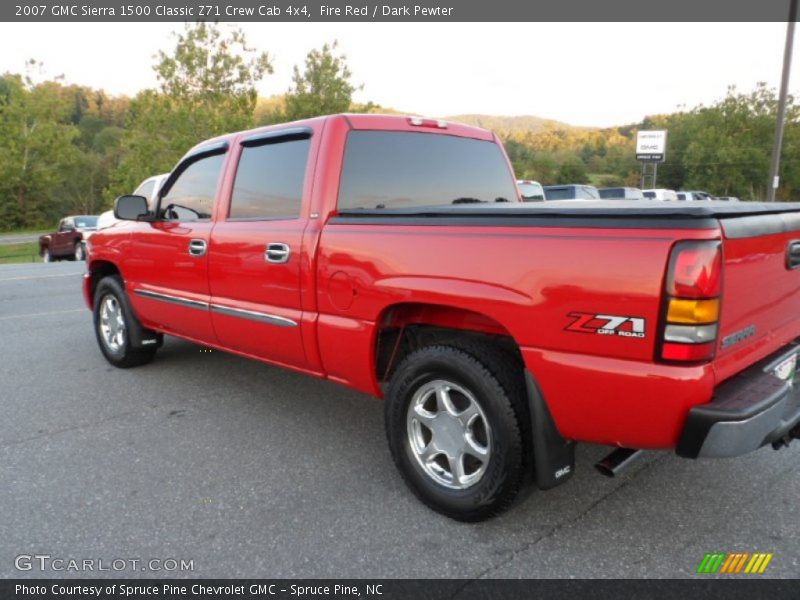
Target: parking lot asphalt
252, 471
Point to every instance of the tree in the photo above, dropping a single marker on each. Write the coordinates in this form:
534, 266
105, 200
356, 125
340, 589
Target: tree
572, 170
323, 88
606, 181
725, 147
207, 87
36, 151
212, 71
521, 157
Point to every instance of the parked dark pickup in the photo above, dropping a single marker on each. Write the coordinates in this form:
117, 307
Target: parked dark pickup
69, 240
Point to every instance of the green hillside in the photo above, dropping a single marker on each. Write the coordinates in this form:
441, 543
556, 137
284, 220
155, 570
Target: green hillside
522, 123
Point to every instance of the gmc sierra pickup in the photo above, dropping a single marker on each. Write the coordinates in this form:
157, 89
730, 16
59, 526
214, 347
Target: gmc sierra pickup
393, 255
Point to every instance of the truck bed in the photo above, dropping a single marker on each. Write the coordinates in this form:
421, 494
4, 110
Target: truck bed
578, 258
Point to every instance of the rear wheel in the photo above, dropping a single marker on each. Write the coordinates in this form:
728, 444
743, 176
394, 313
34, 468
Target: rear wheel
113, 322
454, 433
46, 256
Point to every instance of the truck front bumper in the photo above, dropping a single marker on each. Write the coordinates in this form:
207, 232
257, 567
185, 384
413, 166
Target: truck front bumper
748, 411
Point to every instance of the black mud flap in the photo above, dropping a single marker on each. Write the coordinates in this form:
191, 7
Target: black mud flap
141, 338
553, 456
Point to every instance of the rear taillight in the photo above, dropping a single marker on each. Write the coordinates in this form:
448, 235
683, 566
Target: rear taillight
692, 302
695, 270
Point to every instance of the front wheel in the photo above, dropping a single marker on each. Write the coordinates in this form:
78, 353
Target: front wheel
113, 322
80, 251
454, 433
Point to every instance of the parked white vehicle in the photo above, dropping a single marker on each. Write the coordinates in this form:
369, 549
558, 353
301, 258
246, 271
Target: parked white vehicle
531, 191
660, 194
572, 191
694, 195
149, 188
621, 193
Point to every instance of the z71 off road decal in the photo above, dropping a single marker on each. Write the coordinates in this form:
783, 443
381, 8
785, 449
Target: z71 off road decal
606, 324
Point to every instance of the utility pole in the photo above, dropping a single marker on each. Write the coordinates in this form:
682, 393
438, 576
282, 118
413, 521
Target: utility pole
774, 178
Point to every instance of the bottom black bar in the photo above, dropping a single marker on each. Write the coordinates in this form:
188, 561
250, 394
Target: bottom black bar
706, 587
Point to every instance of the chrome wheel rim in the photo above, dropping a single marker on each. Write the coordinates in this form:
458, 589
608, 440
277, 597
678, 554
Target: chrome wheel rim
448, 434
79, 252
112, 323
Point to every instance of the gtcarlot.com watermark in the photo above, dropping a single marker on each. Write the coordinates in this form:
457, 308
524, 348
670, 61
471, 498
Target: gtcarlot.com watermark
48, 563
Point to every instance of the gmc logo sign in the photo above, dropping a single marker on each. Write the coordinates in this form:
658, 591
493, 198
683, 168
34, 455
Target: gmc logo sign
606, 324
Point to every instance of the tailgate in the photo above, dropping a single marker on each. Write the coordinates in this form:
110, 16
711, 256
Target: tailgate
760, 309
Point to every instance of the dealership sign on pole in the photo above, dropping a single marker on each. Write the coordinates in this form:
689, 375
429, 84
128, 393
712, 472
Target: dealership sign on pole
651, 146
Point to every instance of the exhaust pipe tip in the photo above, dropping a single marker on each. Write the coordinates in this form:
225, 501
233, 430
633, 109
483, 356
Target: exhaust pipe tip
604, 469
616, 462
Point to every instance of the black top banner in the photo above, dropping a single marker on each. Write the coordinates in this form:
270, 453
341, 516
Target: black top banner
398, 10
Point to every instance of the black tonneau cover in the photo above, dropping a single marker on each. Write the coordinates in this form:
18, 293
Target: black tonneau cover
617, 209
736, 219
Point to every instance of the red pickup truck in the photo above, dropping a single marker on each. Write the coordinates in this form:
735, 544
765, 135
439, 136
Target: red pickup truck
393, 255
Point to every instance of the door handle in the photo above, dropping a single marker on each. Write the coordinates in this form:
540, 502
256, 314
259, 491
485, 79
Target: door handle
198, 247
793, 255
277, 252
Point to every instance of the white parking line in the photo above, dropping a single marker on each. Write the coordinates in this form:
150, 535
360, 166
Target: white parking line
44, 314
41, 277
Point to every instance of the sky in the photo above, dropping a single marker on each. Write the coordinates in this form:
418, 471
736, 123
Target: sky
589, 74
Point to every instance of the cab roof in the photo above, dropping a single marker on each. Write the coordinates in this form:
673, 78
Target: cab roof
363, 122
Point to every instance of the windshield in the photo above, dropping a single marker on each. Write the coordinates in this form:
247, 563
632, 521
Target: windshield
85, 222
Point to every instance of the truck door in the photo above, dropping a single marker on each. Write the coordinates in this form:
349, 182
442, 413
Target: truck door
60, 239
167, 268
256, 255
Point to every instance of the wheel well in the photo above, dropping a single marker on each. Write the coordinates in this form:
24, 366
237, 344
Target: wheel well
100, 269
404, 328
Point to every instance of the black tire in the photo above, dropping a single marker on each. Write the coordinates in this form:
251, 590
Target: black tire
79, 252
504, 473
122, 354
46, 256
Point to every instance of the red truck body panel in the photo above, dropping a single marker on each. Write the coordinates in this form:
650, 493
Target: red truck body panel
347, 279
529, 299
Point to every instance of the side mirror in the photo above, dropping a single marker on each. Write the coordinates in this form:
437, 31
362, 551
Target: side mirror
130, 208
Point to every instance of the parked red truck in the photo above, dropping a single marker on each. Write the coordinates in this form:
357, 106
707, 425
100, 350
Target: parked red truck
393, 255
69, 240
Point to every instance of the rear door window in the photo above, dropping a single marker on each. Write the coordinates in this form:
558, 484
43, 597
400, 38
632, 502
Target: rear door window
393, 169
269, 181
